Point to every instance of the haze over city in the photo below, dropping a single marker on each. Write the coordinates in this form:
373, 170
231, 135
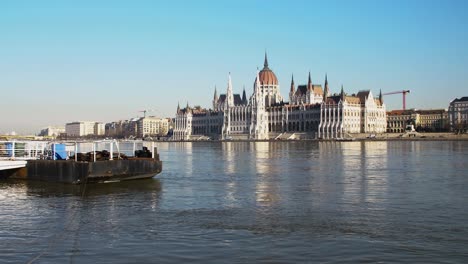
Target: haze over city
64, 61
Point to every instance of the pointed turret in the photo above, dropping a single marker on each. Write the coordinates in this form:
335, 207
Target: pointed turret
380, 97
178, 107
265, 64
215, 99
292, 84
342, 95
229, 94
309, 83
326, 92
244, 97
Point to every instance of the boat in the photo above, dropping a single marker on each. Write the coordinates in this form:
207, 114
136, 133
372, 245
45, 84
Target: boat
79, 162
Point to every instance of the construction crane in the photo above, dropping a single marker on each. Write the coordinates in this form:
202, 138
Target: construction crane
146, 110
404, 92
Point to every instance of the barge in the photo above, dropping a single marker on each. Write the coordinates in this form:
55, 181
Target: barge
79, 162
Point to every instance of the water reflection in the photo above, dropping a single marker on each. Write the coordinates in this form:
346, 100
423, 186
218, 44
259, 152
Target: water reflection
229, 154
254, 202
47, 189
364, 171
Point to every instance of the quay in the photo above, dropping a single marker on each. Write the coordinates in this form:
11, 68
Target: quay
78, 162
295, 136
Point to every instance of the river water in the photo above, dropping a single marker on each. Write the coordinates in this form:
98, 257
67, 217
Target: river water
245, 202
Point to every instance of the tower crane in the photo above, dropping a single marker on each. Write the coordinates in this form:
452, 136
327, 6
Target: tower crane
146, 110
404, 92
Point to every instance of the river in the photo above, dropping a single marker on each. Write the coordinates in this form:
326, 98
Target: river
247, 202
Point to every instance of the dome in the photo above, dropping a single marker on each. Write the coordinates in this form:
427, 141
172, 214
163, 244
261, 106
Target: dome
267, 76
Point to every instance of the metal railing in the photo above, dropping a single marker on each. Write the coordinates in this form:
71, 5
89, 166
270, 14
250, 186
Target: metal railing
28, 150
22, 150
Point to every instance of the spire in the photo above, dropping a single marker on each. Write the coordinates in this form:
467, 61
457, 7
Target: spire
309, 83
215, 99
187, 107
342, 93
265, 64
244, 97
229, 95
326, 91
292, 83
380, 97
178, 107
229, 83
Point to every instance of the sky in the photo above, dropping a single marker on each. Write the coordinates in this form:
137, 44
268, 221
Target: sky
64, 61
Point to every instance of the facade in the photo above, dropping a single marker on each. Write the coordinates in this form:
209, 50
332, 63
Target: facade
432, 120
397, 120
311, 110
99, 129
139, 127
52, 131
122, 128
458, 115
84, 128
152, 126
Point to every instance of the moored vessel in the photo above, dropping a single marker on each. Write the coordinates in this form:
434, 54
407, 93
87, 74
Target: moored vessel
79, 162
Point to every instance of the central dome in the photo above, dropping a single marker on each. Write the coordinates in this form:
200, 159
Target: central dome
267, 76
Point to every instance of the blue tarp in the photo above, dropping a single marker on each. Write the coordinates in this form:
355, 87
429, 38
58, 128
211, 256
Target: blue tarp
59, 151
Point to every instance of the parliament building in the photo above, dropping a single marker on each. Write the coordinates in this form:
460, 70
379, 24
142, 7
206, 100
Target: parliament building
311, 112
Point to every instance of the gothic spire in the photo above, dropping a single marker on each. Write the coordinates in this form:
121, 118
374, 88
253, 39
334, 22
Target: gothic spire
244, 97
326, 91
342, 93
380, 97
215, 97
309, 83
229, 94
265, 64
229, 83
292, 83
178, 107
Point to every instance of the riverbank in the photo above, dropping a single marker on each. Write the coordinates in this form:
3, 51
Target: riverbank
413, 136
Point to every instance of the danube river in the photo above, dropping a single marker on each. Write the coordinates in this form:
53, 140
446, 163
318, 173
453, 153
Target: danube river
245, 202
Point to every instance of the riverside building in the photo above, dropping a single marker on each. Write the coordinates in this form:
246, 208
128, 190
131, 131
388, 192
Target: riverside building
312, 112
431, 120
122, 128
84, 128
139, 127
152, 126
52, 131
458, 114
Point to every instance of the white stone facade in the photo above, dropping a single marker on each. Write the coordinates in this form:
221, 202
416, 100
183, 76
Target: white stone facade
152, 126
52, 131
265, 115
84, 128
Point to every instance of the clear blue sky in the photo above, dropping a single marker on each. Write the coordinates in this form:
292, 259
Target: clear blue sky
62, 61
